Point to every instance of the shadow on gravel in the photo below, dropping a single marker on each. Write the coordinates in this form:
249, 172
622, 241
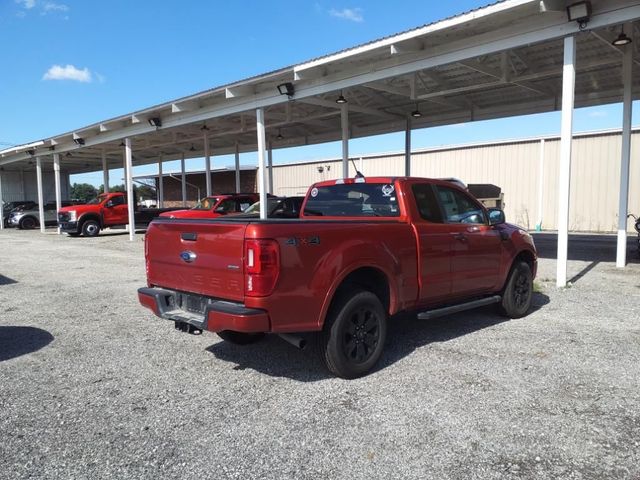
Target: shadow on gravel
6, 280
17, 341
406, 333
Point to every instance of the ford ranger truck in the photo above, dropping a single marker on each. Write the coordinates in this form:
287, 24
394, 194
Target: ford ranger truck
216, 206
362, 251
105, 211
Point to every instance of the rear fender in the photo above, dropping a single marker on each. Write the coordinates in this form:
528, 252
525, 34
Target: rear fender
352, 267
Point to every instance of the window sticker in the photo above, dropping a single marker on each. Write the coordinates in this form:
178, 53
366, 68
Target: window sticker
387, 190
314, 192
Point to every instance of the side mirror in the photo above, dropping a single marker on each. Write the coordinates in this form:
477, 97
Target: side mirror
109, 204
220, 210
496, 216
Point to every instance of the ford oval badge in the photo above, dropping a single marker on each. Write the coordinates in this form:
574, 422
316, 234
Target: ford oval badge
187, 256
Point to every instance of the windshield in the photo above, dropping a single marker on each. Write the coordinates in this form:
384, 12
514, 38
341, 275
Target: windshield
353, 200
206, 203
99, 199
272, 203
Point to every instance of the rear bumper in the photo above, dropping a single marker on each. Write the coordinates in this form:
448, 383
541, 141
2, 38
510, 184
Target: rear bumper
218, 315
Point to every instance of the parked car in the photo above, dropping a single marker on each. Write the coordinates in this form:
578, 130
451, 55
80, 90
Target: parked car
216, 206
26, 219
277, 207
104, 211
362, 251
8, 207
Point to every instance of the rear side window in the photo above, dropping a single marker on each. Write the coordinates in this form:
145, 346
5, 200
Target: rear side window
353, 200
458, 207
427, 203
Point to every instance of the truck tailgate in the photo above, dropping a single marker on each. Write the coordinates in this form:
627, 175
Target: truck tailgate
203, 258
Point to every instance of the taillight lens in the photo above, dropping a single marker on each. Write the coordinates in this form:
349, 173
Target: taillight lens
261, 267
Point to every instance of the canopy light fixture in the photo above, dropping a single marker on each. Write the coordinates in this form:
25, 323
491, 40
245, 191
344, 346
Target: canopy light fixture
78, 141
621, 40
31, 152
416, 113
52, 147
122, 143
279, 137
286, 89
580, 12
341, 100
68, 154
155, 122
192, 149
204, 127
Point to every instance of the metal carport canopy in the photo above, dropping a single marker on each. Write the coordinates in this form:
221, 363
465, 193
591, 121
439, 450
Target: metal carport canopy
504, 59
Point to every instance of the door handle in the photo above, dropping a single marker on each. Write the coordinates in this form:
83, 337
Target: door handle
460, 236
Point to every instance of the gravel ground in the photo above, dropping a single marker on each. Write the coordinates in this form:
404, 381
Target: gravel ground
94, 386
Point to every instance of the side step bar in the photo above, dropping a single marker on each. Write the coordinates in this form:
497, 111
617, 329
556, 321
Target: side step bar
440, 312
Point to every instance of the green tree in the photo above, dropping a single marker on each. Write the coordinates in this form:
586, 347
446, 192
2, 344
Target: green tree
83, 192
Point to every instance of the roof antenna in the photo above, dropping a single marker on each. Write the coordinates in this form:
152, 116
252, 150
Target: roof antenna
358, 173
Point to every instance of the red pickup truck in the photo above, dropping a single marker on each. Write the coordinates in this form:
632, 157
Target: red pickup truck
106, 210
362, 251
216, 206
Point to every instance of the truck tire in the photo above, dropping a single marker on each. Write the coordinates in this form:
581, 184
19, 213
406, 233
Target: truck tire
354, 334
518, 291
27, 223
240, 338
90, 228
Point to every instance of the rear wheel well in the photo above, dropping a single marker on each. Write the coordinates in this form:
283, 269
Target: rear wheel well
366, 278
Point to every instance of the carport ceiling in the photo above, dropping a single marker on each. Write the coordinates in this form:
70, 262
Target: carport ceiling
501, 60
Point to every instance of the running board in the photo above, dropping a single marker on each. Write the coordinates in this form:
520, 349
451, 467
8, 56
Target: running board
439, 312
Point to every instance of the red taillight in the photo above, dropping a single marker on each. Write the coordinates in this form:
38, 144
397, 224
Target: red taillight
261, 267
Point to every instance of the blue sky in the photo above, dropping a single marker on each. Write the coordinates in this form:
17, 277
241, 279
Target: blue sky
69, 63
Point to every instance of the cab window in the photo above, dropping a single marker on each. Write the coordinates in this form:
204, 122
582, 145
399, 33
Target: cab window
459, 207
118, 200
427, 203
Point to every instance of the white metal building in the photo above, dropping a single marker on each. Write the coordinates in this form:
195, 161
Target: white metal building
512, 57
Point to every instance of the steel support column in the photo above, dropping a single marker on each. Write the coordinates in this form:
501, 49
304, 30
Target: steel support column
207, 164
344, 121
160, 185
237, 168
129, 184
566, 138
270, 163
407, 148
183, 181
105, 172
540, 185
56, 177
40, 193
623, 204
261, 162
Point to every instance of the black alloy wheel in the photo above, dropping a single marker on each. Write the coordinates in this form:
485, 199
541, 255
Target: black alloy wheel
28, 223
361, 334
518, 292
354, 333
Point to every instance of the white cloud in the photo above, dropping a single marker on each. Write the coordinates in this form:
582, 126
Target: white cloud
45, 7
68, 72
54, 7
351, 14
28, 4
